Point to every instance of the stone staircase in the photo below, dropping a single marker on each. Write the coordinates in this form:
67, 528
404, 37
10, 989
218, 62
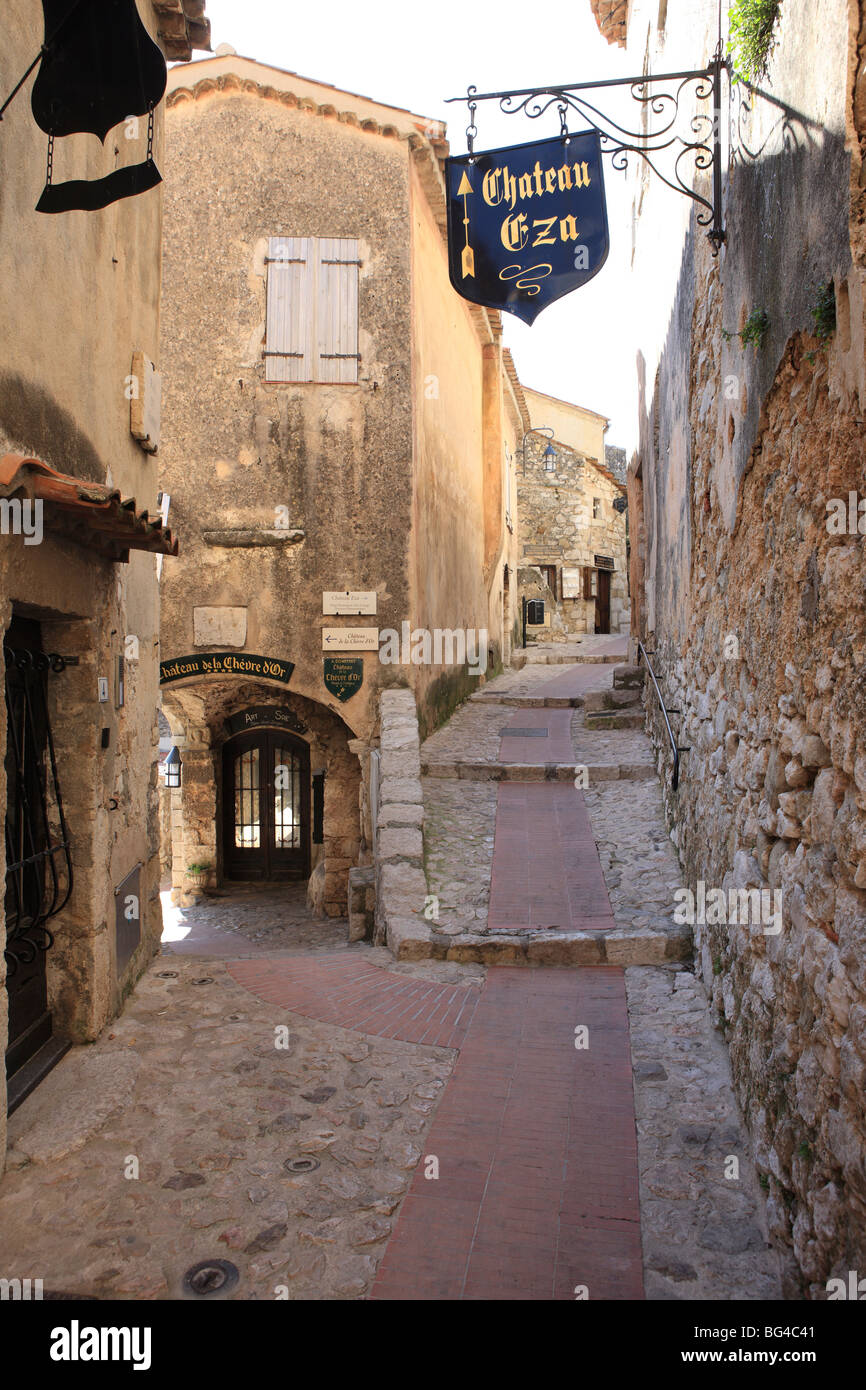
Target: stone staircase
621, 707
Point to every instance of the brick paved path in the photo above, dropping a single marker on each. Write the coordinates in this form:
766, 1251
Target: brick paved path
537, 1193
350, 993
550, 741
546, 870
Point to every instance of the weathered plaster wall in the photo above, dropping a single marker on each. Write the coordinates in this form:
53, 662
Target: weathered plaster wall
236, 448
582, 430
81, 294
448, 588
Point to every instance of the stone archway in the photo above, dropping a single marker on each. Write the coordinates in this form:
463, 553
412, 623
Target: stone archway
204, 714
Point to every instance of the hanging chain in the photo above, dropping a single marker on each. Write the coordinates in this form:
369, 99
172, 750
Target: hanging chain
563, 123
471, 129
150, 134
50, 170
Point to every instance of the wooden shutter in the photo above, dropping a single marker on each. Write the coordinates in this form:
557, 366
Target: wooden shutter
289, 333
336, 300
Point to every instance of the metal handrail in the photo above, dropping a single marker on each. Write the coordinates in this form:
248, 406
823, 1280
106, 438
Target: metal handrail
675, 747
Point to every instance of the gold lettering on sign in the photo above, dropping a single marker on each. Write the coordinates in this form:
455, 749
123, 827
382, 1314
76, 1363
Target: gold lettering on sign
501, 186
513, 233
521, 279
568, 228
543, 238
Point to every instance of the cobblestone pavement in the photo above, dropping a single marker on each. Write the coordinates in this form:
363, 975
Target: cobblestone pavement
702, 1218
640, 864
617, 747
459, 823
250, 921
190, 1085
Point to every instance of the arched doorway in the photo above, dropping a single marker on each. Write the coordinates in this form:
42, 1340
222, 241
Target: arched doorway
266, 806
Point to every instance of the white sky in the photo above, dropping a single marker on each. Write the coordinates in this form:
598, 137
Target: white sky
414, 57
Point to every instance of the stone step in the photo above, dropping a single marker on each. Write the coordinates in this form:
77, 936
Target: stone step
566, 659
470, 770
615, 719
628, 678
603, 700
411, 939
528, 701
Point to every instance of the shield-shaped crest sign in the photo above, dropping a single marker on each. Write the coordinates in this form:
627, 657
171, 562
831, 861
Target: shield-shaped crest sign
527, 223
343, 675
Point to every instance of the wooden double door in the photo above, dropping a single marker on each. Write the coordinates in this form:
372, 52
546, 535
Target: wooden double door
266, 806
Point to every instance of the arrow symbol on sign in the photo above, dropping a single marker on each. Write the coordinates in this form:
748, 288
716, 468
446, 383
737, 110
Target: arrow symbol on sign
468, 258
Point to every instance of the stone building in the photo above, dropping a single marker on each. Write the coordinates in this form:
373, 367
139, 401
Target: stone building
79, 530
572, 525
338, 422
748, 571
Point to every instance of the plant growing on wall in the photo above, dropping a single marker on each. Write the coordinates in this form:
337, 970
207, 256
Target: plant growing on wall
823, 313
753, 330
752, 25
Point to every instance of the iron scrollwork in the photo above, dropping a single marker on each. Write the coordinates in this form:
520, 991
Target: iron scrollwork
38, 857
671, 146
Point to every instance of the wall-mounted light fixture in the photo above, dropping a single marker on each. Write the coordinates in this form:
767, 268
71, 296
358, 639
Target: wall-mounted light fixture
173, 766
547, 431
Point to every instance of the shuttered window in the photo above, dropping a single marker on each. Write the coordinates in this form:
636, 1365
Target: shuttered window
312, 314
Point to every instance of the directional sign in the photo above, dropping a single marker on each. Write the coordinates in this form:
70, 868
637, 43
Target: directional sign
350, 602
350, 639
527, 223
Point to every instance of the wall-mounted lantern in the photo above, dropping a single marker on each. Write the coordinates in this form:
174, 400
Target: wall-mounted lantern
173, 766
547, 431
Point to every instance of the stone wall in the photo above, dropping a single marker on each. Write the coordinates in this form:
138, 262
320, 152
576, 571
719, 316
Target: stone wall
401, 884
556, 526
754, 607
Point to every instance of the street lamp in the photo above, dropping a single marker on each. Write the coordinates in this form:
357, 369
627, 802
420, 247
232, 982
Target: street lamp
549, 452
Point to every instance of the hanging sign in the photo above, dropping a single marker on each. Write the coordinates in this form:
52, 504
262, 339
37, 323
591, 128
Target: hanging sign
527, 223
99, 67
343, 675
225, 664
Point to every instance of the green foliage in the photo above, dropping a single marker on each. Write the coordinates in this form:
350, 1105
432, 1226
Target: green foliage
823, 313
752, 26
805, 1150
717, 965
197, 868
753, 330
764, 1180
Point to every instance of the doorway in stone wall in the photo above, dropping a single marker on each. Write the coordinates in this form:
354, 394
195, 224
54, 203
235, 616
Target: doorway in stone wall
266, 807
38, 861
602, 602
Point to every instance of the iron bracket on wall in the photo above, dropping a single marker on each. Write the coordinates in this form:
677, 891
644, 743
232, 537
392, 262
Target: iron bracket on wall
665, 135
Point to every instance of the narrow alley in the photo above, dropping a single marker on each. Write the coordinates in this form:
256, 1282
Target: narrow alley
340, 1125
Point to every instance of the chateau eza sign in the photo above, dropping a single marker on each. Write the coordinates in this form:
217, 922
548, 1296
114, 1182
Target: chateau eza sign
527, 223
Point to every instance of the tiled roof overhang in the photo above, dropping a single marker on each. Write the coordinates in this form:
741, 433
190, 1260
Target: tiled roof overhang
90, 514
611, 16
182, 27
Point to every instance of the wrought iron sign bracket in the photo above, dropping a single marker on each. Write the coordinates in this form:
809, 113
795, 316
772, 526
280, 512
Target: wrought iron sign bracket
665, 136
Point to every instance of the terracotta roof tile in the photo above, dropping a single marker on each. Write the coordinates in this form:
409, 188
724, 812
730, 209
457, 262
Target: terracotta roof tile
90, 514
